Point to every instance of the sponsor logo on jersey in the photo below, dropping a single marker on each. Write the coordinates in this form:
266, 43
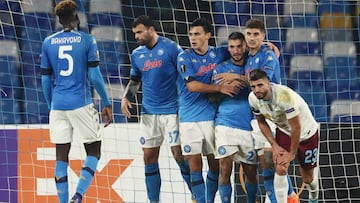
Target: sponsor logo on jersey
205, 69
148, 65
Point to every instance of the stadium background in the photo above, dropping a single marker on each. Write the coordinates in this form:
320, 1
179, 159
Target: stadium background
319, 43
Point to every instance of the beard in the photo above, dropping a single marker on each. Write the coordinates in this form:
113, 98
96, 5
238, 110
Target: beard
261, 95
237, 58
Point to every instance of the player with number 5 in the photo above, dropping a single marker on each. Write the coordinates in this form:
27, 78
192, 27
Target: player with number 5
296, 131
72, 57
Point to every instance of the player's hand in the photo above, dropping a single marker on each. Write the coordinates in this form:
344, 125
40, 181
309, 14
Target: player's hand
274, 48
278, 151
125, 106
222, 78
229, 89
285, 159
107, 115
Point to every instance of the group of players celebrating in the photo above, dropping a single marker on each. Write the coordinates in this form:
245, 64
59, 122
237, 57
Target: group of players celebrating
225, 103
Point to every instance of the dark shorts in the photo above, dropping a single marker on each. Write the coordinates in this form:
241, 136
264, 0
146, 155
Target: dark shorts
307, 152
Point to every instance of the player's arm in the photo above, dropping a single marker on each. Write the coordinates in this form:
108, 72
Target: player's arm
99, 85
46, 72
295, 131
196, 86
274, 48
47, 84
265, 129
129, 93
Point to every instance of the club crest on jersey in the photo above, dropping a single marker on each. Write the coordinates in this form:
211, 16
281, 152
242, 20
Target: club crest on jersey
194, 60
142, 56
257, 60
212, 54
160, 52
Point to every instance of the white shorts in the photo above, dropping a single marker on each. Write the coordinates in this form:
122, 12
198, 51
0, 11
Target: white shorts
229, 141
260, 140
154, 128
83, 121
197, 137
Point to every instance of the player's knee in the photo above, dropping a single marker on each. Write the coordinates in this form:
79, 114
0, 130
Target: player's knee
225, 170
177, 154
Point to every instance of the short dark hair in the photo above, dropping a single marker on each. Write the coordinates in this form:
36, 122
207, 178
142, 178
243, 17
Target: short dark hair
257, 74
143, 19
66, 10
236, 36
254, 23
203, 22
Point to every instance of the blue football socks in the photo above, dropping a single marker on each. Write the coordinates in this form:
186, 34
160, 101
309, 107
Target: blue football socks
225, 193
212, 181
185, 172
251, 191
87, 174
269, 184
61, 181
153, 181
198, 186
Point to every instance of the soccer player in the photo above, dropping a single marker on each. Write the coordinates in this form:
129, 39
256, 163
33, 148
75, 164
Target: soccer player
72, 57
196, 112
261, 56
233, 137
296, 131
154, 64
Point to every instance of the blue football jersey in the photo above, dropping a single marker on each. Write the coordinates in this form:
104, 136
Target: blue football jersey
156, 68
67, 54
266, 60
194, 106
234, 111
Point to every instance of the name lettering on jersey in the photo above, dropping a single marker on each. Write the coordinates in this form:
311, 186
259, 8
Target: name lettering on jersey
205, 69
66, 40
148, 65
